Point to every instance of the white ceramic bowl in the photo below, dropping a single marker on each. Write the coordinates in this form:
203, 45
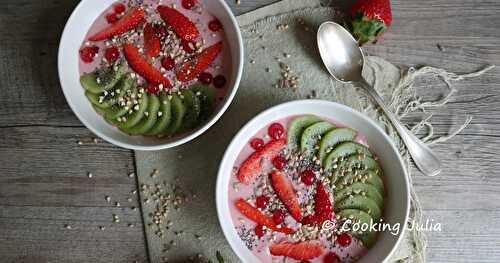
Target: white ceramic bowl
73, 35
397, 202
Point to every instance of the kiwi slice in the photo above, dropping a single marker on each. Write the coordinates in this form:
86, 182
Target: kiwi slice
102, 79
178, 111
133, 119
345, 149
369, 177
193, 109
333, 138
360, 188
164, 116
312, 135
362, 203
297, 127
207, 96
98, 100
358, 216
117, 110
151, 115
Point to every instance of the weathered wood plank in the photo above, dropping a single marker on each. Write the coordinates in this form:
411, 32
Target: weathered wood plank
468, 239
44, 186
30, 32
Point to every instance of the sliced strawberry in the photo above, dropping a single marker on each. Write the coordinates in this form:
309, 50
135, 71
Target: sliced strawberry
258, 217
129, 21
322, 205
192, 69
284, 189
300, 251
179, 23
152, 44
323, 208
252, 167
142, 67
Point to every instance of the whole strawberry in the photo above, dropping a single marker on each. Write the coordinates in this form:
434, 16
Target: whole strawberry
369, 19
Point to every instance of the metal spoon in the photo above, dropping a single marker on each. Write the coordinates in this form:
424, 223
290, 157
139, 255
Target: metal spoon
344, 60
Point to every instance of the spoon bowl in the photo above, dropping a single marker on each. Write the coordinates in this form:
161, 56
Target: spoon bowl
340, 52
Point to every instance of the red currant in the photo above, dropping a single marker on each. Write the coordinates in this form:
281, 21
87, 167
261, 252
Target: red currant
279, 217
111, 54
261, 201
168, 63
331, 258
308, 177
219, 81
257, 143
276, 131
160, 30
214, 25
119, 8
279, 162
259, 231
344, 240
112, 18
188, 46
87, 54
205, 78
309, 220
305, 261
153, 89
188, 4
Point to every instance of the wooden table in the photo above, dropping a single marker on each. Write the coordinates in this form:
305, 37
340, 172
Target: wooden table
51, 211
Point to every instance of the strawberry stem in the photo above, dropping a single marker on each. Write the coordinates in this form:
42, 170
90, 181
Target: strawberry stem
366, 30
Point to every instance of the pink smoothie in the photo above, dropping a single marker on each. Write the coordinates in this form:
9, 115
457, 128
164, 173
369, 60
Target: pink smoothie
245, 227
198, 15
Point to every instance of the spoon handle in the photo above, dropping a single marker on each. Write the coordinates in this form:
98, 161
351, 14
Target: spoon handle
422, 155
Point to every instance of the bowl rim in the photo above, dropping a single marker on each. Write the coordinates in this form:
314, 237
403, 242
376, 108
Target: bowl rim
194, 134
228, 229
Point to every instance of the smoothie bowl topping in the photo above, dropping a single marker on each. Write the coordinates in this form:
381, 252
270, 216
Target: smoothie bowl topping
155, 68
300, 185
